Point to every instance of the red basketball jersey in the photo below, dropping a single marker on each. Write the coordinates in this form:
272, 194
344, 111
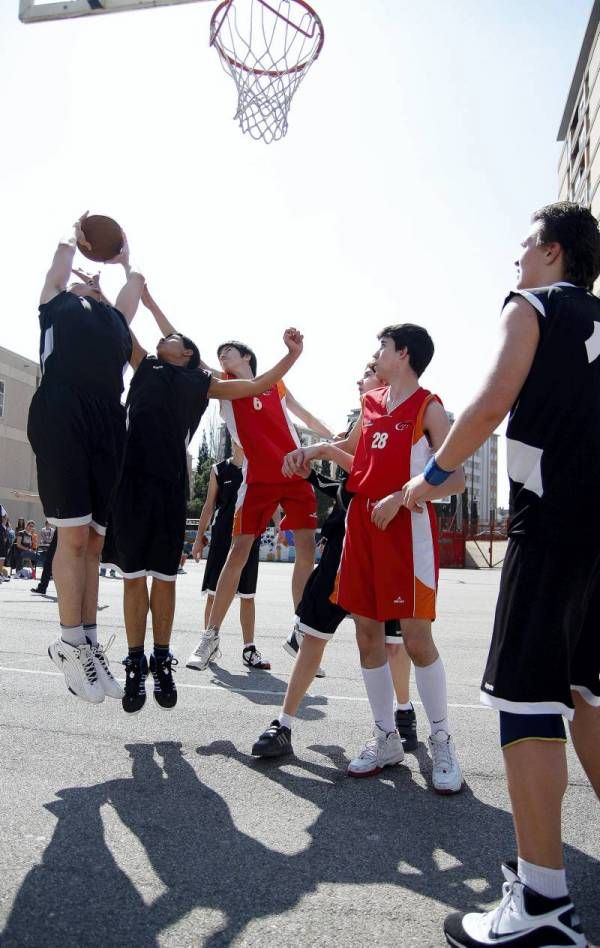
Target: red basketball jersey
392, 447
262, 426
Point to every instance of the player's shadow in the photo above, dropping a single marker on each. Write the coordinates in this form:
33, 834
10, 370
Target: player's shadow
264, 688
445, 848
387, 831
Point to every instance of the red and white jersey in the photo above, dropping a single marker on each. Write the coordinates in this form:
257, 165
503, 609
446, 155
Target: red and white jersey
392, 447
262, 426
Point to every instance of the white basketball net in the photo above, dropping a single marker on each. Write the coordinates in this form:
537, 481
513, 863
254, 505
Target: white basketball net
267, 48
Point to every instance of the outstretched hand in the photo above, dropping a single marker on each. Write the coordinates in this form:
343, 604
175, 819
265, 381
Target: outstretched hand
79, 234
294, 340
123, 255
92, 279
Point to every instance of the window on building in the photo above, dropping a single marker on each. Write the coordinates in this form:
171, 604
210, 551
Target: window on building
1, 398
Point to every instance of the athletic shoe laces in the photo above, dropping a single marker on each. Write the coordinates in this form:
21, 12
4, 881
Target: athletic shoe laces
89, 668
369, 751
206, 642
99, 652
505, 907
441, 752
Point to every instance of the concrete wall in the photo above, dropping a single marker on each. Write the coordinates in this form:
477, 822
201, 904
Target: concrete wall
19, 377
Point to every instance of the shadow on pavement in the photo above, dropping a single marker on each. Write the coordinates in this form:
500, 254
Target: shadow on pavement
262, 687
383, 830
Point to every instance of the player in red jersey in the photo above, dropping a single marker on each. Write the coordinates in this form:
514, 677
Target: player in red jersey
262, 426
389, 562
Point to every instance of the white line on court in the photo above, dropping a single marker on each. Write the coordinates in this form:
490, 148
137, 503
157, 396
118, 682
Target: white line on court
238, 691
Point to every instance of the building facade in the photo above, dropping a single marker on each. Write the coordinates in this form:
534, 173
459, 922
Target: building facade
579, 164
19, 379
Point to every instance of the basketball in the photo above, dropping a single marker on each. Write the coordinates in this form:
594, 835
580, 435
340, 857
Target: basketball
105, 236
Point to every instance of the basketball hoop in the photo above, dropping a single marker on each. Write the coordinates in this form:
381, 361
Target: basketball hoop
267, 48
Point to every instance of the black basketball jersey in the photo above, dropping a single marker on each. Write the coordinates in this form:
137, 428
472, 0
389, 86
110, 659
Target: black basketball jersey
84, 345
229, 479
164, 406
553, 433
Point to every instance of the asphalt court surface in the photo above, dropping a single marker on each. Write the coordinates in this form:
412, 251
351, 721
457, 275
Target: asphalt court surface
162, 830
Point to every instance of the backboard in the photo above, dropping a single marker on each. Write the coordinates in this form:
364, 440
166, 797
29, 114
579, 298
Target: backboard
35, 11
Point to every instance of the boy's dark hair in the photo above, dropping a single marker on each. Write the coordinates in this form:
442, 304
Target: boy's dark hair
576, 230
415, 339
243, 351
194, 360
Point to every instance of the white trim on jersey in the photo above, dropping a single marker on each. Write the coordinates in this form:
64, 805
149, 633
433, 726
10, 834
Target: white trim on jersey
532, 300
70, 521
48, 345
286, 415
526, 707
587, 695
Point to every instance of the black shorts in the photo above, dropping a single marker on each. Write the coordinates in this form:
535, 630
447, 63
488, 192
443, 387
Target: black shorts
78, 444
546, 641
220, 544
146, 525
316, 614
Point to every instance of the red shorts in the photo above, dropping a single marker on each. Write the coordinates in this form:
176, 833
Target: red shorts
391, 573
256, 504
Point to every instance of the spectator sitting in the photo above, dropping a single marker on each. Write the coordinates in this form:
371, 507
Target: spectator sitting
25, 546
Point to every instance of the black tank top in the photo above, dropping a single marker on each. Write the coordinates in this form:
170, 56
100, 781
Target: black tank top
553, 433
84, 345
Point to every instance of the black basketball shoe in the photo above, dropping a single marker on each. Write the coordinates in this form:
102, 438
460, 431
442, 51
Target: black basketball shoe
276, 741
406, 725
165, 692
136, 672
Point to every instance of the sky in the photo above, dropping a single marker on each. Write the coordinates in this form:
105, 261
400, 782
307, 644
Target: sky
418, 146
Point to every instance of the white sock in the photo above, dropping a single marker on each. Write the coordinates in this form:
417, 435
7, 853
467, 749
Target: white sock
286, 720
549, 882
431, 685
73, 634
380, 692
404, 707
248, 645
91, 633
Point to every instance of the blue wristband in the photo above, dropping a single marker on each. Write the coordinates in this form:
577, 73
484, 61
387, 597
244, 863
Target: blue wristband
434, 474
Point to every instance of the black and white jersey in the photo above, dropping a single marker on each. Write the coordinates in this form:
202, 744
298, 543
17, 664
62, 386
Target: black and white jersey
84, 345
164, 406
553, 433
229, 480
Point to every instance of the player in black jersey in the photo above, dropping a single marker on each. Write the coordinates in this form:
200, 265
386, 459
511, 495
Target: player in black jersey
225, 480
544, 660
317, 619
76, 428
168, 395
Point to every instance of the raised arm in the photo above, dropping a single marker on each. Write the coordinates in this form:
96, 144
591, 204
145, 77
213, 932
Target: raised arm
206, 514
130, 294
241, 388
311, 421
138, 353
58, 275
161, 320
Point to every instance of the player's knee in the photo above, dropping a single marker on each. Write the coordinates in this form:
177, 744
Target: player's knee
515, 728
73, 540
